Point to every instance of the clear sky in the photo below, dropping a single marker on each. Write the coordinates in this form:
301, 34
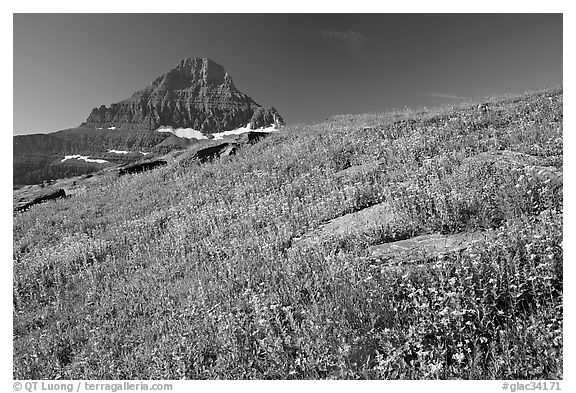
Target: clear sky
308, 66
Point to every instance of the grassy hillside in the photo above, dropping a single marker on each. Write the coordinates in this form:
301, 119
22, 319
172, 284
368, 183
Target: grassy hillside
193, 270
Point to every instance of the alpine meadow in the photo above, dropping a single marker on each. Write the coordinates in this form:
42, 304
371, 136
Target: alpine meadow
408, 244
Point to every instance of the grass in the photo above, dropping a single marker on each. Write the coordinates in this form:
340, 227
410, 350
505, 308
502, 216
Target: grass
188, 271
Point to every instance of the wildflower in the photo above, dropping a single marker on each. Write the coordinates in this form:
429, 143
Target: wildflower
459, 357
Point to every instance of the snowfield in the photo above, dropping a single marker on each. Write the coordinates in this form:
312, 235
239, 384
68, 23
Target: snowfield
118, 151
190, 133
242, 130
84, 158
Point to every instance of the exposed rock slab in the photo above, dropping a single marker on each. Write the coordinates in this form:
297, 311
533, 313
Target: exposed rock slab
358, 223
425, 246
34, 195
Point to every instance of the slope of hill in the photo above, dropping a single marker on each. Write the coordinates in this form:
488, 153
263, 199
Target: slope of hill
406, 245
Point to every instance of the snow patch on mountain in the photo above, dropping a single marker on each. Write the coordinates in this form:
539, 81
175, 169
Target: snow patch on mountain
118, 151
83, 158
243, 130
188, 133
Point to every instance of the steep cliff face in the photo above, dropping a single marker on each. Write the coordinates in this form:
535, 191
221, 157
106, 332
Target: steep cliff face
197, 93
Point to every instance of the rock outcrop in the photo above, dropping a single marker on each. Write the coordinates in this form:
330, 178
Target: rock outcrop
197, 93
24, 200
424, 247
141, 167
359, 223
220, 150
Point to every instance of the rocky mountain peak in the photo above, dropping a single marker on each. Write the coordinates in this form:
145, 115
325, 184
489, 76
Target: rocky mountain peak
198, 93
195, 71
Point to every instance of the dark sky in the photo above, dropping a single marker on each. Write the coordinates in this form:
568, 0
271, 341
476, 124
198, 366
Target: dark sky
308, 66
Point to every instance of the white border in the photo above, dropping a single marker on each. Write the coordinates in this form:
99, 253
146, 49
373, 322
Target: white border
299, 6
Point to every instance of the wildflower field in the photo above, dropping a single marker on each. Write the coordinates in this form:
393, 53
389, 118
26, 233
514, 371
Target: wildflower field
194, 271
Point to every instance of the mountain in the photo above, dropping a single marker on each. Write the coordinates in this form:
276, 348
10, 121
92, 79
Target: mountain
197, 95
